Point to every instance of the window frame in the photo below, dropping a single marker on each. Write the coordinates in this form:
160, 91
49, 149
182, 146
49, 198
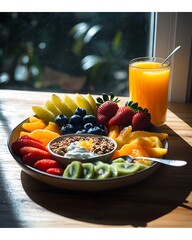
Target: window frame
173, 29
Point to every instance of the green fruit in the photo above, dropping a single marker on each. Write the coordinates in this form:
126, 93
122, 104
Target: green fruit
118, 160
88, 170
103, 171
52, 108
97, 163
56, 100
73, 170
127, 168
114, 171
82, 102
70, 103
43, 113
142, 166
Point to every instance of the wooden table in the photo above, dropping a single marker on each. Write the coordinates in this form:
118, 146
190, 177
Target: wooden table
163, 200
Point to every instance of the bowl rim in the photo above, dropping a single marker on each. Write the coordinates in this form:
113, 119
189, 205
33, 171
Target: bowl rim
83, 135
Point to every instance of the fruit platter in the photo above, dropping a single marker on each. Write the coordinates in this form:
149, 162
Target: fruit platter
79, 142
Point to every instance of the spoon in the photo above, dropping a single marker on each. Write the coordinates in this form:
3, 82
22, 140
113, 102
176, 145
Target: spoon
175, 163
177, 48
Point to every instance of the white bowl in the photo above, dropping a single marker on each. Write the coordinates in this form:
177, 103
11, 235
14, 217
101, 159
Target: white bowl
65, 160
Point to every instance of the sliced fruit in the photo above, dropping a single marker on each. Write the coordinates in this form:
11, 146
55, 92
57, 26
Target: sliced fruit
33, 119
56, 100
114, 171
53, 127
82, 102
73, 170
45, 164
102, 171
70, 103
127, 168
38, 152
55, 171
114, 131
31, 126
43, 113
52, 108
92, 102
155, 152
88, 170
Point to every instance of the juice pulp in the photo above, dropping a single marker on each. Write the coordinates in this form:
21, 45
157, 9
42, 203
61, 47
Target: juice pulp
148, 84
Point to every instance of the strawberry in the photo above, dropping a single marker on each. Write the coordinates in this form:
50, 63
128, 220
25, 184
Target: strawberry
123, 116
24, 142
38, 153
31, 158
141, 120
45, 164
55, 171
106, 111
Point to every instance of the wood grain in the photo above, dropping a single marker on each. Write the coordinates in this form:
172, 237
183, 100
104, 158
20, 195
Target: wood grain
162, 200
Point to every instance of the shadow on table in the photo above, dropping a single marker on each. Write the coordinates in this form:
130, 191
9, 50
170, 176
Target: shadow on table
134, 205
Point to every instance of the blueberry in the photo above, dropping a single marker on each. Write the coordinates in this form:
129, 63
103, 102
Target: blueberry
87, 126
82, 131
100, 125
89, 119
61, 120
80, 111
75, 120
68, 129
95, 130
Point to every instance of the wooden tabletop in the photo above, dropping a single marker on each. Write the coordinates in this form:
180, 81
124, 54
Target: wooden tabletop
162, 200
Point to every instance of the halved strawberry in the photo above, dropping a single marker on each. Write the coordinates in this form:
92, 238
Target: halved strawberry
55, 171
123, 116
36, 151
45, 164
28, 137
31, 158
26, 142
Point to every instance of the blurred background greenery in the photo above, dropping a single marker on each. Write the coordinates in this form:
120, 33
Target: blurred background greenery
71, 52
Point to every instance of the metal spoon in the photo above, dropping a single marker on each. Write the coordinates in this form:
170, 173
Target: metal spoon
177, 48
175, 163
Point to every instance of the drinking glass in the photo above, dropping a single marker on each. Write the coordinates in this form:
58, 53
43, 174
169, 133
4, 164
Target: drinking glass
148, 85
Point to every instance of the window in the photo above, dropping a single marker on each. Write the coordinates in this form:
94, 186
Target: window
71, 52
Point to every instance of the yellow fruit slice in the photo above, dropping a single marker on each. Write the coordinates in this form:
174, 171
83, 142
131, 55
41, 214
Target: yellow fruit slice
43, 134
125, 132
33, 126
114, 131
92, 102
136, 134
56, 100
83, 103
70, 103
34, 119
155, 152
52, 108
43, 113
53, 127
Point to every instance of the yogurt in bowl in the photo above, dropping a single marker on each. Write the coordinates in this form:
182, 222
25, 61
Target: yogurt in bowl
82, 147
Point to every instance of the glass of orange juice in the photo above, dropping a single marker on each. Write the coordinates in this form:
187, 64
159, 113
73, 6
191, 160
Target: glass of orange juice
148, 85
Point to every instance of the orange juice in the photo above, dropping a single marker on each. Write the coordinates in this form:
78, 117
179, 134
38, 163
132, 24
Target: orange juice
148, 85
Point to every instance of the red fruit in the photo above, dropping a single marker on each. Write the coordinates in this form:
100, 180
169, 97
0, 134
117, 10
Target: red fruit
28, 137
55, 171
31, 158
36, 152
26, 142
106, 111
45, 164
123, 117
141, 121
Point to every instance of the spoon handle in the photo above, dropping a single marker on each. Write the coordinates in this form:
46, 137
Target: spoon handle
176, 163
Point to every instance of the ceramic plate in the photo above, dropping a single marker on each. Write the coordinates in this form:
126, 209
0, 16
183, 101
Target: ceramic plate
81, 184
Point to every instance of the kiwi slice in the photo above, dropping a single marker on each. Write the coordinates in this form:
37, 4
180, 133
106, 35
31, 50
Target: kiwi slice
73, 170
119, 160
127, 168
102, 171
114, 171
97, 163
142, 166
88, 170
